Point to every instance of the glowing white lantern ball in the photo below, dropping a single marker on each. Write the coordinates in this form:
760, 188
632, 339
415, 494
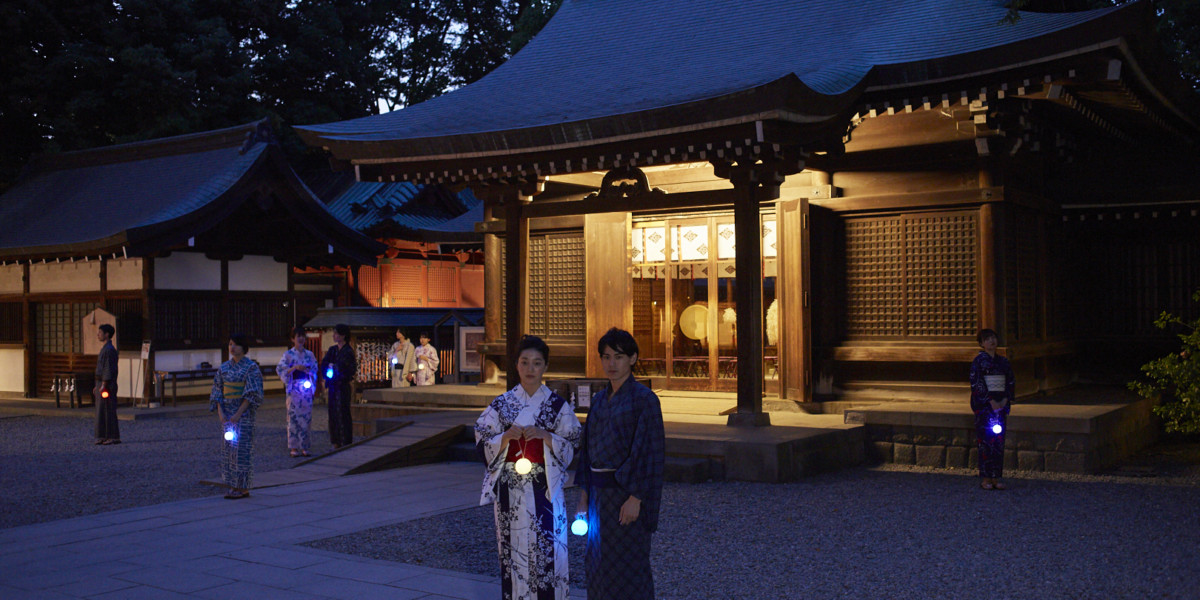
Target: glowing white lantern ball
523, 466
421, 366
230, 435
395, 360
307, 384
997, 428
579, 526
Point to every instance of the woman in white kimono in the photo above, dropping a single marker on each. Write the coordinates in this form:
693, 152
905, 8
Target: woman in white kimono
427, 362
529, 422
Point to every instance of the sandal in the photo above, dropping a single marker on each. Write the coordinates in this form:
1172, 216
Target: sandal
987, 485
295, 454
1000, 486
304, 453
236, 495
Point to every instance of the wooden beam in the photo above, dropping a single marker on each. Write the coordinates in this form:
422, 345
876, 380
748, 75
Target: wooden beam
940, 199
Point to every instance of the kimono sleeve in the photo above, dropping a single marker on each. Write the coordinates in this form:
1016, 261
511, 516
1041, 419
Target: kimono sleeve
564, 438
488, 430
979, 395
254, 385
642, 473
217, 396
281, 369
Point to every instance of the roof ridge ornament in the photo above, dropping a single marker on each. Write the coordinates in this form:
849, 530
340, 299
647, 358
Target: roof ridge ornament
624, 182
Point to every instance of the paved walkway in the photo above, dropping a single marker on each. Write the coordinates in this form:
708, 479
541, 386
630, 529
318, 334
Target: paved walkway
216, 549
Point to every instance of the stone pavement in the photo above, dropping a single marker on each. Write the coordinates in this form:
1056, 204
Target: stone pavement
214, 548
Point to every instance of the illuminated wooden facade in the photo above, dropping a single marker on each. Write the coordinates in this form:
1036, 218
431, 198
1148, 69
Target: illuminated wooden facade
859, 223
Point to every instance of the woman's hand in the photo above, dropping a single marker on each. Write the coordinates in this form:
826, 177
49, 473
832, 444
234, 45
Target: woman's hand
630, 510
998, 405
537, 433
512, 433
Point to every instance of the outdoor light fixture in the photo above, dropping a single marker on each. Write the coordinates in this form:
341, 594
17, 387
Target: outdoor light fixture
523, 466
579, 526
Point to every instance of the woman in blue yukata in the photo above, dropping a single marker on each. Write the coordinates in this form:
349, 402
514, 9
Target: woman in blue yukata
236, 394
620, 474
527, 437
993, 389
297, 369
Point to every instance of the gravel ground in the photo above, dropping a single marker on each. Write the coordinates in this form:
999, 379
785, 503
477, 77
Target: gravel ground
52, 470
881, 532
897, 532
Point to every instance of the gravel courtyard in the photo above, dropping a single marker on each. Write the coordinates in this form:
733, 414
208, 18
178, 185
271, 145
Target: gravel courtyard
878, 532
51, 470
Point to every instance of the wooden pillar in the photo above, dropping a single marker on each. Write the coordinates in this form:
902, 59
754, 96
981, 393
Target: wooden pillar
224, 316
27, 323
148, 319
516, 288
990, 315
492, 290
748, 237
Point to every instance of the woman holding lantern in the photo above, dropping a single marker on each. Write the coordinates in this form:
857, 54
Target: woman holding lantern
527, 437
297, 369
993, 388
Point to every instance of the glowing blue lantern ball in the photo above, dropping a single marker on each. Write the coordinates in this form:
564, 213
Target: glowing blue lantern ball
329, 373
579, 526
997, 428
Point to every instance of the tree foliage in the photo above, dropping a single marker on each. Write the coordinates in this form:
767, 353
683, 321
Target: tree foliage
78, 74
1174, 380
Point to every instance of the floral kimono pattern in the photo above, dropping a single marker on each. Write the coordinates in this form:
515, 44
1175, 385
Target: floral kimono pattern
234, 382
299, 397
531, 520
991, 379
426, 373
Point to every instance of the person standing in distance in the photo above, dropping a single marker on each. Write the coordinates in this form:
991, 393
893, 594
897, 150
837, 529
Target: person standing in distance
620, 473
401, 358
336, 373
105, 392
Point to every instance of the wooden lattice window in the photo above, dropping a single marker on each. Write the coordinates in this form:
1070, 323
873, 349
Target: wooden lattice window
443, 284
260, 318
875, 277
129, 322
196, 319
1022, 282
404, 284
370, 285
58, 326
11, 324
912, 275
557, 287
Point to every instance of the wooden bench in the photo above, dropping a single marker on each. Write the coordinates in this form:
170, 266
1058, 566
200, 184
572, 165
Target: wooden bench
160, 378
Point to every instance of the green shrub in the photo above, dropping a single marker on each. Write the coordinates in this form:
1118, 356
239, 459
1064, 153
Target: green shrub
1175, 378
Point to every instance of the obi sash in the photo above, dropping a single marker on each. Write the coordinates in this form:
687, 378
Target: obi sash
533, 450
234, 390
